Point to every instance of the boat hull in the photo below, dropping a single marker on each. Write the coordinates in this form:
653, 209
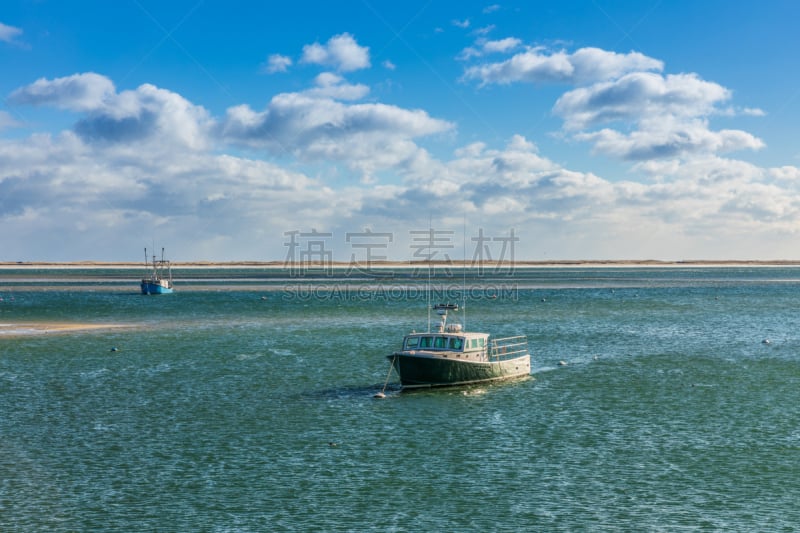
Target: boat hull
149, 287
417, 371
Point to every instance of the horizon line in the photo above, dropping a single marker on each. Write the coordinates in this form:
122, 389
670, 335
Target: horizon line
459, 263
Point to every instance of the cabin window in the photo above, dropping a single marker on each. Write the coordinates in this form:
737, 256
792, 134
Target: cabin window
412, 342
455, 343
440, 342
474, 343
481, 342
426, 342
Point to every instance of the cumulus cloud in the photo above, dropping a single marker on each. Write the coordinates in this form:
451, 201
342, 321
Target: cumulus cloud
125, 199
147, 114
483, 47
684, 204
277, 63
663, 116
149, 161
367, 136
330, 85
341, 52
637, 95
511, 185
502, 45
538, 65
661, 139
79, 92
668, 114
787, 173
676, 142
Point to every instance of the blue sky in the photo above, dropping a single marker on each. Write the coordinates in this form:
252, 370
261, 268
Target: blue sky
226, 130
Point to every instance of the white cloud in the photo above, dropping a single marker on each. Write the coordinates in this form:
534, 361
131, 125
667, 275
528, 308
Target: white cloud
333, 86
341, 52
537, 65
753, 112
366, 136
148, 114
665, 140
667, 115
9, 33
697, 207
483, 47
79, 92
639, 95
645, 115
510, 185
502, 45
7, 121
277, 63
145, 115
786, 173
485, 30
126, 199
461, 23
238, 208
147, 161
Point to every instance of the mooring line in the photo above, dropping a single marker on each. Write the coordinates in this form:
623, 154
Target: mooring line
382, 394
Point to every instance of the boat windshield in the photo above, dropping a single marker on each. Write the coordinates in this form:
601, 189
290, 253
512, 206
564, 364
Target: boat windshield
434, 342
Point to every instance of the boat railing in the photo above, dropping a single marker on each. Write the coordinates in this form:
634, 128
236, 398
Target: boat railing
508, 347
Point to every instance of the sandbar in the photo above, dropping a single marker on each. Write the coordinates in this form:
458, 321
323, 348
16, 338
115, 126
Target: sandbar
24, 329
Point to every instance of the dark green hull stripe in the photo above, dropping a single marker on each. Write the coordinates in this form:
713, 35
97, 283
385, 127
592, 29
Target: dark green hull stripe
431, 372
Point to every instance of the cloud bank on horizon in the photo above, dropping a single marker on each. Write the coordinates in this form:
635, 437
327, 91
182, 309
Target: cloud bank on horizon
92, 167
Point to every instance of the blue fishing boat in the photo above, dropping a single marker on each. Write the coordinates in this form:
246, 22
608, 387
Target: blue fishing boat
159, 275
450, 356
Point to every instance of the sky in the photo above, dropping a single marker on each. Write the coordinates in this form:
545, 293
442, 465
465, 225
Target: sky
361, 130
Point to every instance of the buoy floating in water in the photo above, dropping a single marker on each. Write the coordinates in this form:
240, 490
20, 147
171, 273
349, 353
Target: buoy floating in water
114, 349
766, 341
562, 363
380, 396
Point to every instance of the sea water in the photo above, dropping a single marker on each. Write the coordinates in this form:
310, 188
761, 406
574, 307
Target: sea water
661, 399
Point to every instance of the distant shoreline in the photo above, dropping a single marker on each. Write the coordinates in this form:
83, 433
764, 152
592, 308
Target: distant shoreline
567, 263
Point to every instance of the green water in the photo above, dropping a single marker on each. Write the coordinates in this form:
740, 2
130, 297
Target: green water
252, 410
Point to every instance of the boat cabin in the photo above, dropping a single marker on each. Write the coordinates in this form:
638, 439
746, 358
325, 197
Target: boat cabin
451, 342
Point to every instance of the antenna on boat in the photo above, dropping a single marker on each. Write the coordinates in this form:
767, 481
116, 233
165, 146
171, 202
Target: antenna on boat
464, 279
430, 256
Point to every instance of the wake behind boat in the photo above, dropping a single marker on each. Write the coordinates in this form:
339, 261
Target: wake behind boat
159, 280
450, 356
